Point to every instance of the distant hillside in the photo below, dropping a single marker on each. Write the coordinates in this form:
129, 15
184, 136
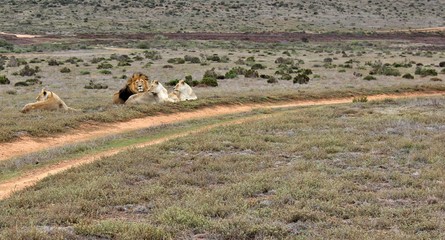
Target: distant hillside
134, 16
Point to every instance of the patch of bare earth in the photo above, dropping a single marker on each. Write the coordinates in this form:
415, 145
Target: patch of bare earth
87, 132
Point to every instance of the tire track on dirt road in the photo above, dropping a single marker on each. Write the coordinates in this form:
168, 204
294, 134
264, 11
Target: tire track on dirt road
29, 145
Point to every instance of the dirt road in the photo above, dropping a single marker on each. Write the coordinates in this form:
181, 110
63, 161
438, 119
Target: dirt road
89, 132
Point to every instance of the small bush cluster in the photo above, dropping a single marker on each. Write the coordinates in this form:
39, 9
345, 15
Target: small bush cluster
73, 60
301, 79
378, 68
65, 70
28, 71
152, 55
425, 72
54, 62
93, 85
216, 58
234, 72
408, 76
4, 80
104, 65
192, 59
28, 82
369, 78
176, 61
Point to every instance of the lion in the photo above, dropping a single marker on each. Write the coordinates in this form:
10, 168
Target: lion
47, 100
184, 92
138, 83
156, 94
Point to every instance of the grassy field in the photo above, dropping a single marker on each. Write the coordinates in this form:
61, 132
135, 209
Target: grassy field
335, 71
359, 170
108, 16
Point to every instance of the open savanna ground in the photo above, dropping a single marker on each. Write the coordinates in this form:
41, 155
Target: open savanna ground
371, 170
87, 78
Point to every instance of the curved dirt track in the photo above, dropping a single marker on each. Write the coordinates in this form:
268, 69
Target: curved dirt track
88, 132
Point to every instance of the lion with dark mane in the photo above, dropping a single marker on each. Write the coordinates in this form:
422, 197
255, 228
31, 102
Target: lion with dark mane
138, 83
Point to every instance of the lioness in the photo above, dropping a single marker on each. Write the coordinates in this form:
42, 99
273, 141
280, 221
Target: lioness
138, 83
47, 100
184, 92
156, 94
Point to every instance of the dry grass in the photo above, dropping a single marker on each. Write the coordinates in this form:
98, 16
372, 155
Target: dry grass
362, 170
326, 80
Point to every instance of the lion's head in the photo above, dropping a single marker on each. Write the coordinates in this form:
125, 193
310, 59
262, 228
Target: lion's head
138, 83
43, 95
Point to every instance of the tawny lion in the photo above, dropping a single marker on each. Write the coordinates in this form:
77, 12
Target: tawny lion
47, 100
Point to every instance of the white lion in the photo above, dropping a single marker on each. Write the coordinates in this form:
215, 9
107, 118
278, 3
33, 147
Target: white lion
184, 92
156, 93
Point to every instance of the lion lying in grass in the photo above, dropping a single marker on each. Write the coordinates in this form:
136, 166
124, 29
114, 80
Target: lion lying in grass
138, 83
184, 92
157, 93
47, 100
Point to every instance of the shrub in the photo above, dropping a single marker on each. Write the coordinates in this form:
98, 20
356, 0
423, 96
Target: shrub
301, 79
210, 73
192, 59
286, 77
65, 70
327, 60
272, 80
250, 73
442, 64
442, 71
436, 79
53, 62
105, 71
209, 81
408, 76
97, 60
152, 55
425, 72
28, 71
257, 66
369, 78
167, 66
124, 63
104, 65
176, 60
93, 85
383, 69
287, 61
4, 80
84, 72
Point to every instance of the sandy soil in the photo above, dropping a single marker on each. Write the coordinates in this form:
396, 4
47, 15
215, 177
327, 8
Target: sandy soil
88, 132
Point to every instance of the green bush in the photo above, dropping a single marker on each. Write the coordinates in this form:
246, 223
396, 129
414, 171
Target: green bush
369, 78
105, 71
209, 81
176, 61
257, 66
4, 80
65, 70
436, 79
93, 85
105, 65
53, 62
84, 72
192, 59
250, 73
152, 55
408, 76
425, 72
301, 79
28, 71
